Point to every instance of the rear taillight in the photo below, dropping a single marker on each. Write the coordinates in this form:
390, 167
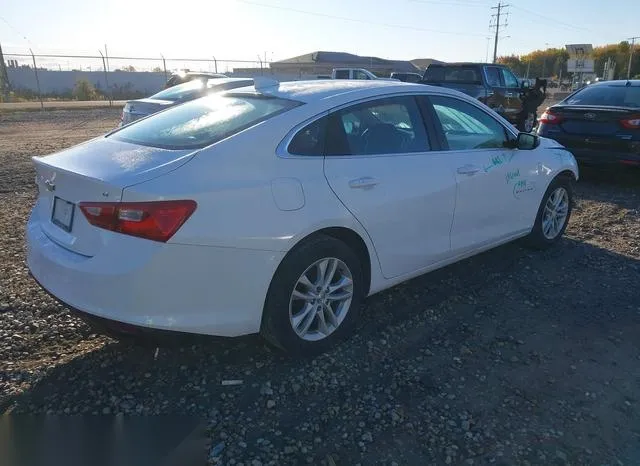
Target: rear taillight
550, 118
157, 221
631, 123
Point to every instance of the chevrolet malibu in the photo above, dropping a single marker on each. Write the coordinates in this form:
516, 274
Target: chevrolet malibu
278, 208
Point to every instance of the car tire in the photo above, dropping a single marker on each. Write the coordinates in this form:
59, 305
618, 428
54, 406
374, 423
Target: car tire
284, 306
547, 231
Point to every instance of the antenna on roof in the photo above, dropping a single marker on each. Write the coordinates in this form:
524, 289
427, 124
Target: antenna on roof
262, 84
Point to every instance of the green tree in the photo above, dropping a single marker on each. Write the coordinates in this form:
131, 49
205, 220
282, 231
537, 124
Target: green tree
84, 90
514, 63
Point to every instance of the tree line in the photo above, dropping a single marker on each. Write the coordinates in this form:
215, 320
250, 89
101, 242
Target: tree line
552, 62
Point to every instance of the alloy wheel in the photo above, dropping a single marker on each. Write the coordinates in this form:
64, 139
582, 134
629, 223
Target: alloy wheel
320, 299
555, 213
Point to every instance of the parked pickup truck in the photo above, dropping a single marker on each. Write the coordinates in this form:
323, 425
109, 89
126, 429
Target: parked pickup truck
355, 73
494, 85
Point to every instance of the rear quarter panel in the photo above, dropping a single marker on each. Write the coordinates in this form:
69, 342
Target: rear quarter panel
234, 183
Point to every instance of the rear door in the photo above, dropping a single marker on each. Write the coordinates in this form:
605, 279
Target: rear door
497, 187
379, 162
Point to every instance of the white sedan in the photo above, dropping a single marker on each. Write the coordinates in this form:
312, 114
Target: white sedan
278, 208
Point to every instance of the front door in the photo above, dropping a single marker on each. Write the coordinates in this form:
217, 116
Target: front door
497, 99
491, 178
380, 165
512, 94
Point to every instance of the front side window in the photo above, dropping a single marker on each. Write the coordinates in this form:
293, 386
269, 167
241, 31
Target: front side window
466, 127
357, 74
203, 121
391, 125
509, 78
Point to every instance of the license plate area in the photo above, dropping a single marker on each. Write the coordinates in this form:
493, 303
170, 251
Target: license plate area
62, 213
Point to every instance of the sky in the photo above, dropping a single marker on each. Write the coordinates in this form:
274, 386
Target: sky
447, 30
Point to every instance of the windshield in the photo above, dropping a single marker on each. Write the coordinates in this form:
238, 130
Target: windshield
203, 121
175, 93
460, 74
613, 96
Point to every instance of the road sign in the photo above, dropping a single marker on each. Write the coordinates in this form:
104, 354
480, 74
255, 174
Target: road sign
579, 50
580, 65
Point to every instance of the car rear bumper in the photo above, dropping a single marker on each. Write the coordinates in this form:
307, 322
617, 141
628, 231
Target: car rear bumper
602, 151
603, 157
182, 288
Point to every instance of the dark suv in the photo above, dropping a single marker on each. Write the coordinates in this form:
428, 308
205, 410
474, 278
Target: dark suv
494, 85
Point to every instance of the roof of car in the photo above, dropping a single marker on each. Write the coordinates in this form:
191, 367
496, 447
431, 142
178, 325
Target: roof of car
316, 90
617, 83
464, 63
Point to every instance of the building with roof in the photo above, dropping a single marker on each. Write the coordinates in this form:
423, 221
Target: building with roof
423, 63
322, 63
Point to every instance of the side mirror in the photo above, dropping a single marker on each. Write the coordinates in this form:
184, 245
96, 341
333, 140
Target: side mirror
527, 141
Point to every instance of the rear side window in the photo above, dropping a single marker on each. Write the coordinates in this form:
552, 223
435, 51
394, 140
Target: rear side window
203, 121
310, 139
493, 76
459, 74
619, 96
342, 74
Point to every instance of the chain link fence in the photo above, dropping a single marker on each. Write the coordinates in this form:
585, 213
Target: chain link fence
46, 77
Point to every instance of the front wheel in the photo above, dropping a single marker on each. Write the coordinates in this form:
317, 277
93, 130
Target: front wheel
314, 298
553, 214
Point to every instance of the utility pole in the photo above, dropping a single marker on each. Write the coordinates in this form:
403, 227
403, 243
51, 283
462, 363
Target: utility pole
5, 86
633, 43
497, 26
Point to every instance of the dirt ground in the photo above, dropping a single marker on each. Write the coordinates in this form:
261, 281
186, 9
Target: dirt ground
511, 357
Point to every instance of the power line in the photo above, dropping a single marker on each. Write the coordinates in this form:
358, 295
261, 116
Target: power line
354, 20
16, 31
633, 45
499, 7
453, 2
547, 18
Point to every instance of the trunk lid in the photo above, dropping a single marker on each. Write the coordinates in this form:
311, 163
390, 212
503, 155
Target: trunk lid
592, 120
97, 170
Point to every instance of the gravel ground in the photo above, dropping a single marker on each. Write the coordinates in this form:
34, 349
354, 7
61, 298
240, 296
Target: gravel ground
511, 357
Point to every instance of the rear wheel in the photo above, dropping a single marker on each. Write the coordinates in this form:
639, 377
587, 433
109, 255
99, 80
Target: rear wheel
314, 298
553, 214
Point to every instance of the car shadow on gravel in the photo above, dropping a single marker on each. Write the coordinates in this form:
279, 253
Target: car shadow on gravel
506, 357
620, 186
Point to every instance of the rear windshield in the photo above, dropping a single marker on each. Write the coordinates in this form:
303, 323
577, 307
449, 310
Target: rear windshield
203, 121
454, 74
615, 96
194, 88
180, 91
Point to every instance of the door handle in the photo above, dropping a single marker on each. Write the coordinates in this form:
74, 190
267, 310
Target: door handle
364, 182
468, 170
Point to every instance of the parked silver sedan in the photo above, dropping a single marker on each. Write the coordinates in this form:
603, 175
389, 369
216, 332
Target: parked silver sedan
136, 109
